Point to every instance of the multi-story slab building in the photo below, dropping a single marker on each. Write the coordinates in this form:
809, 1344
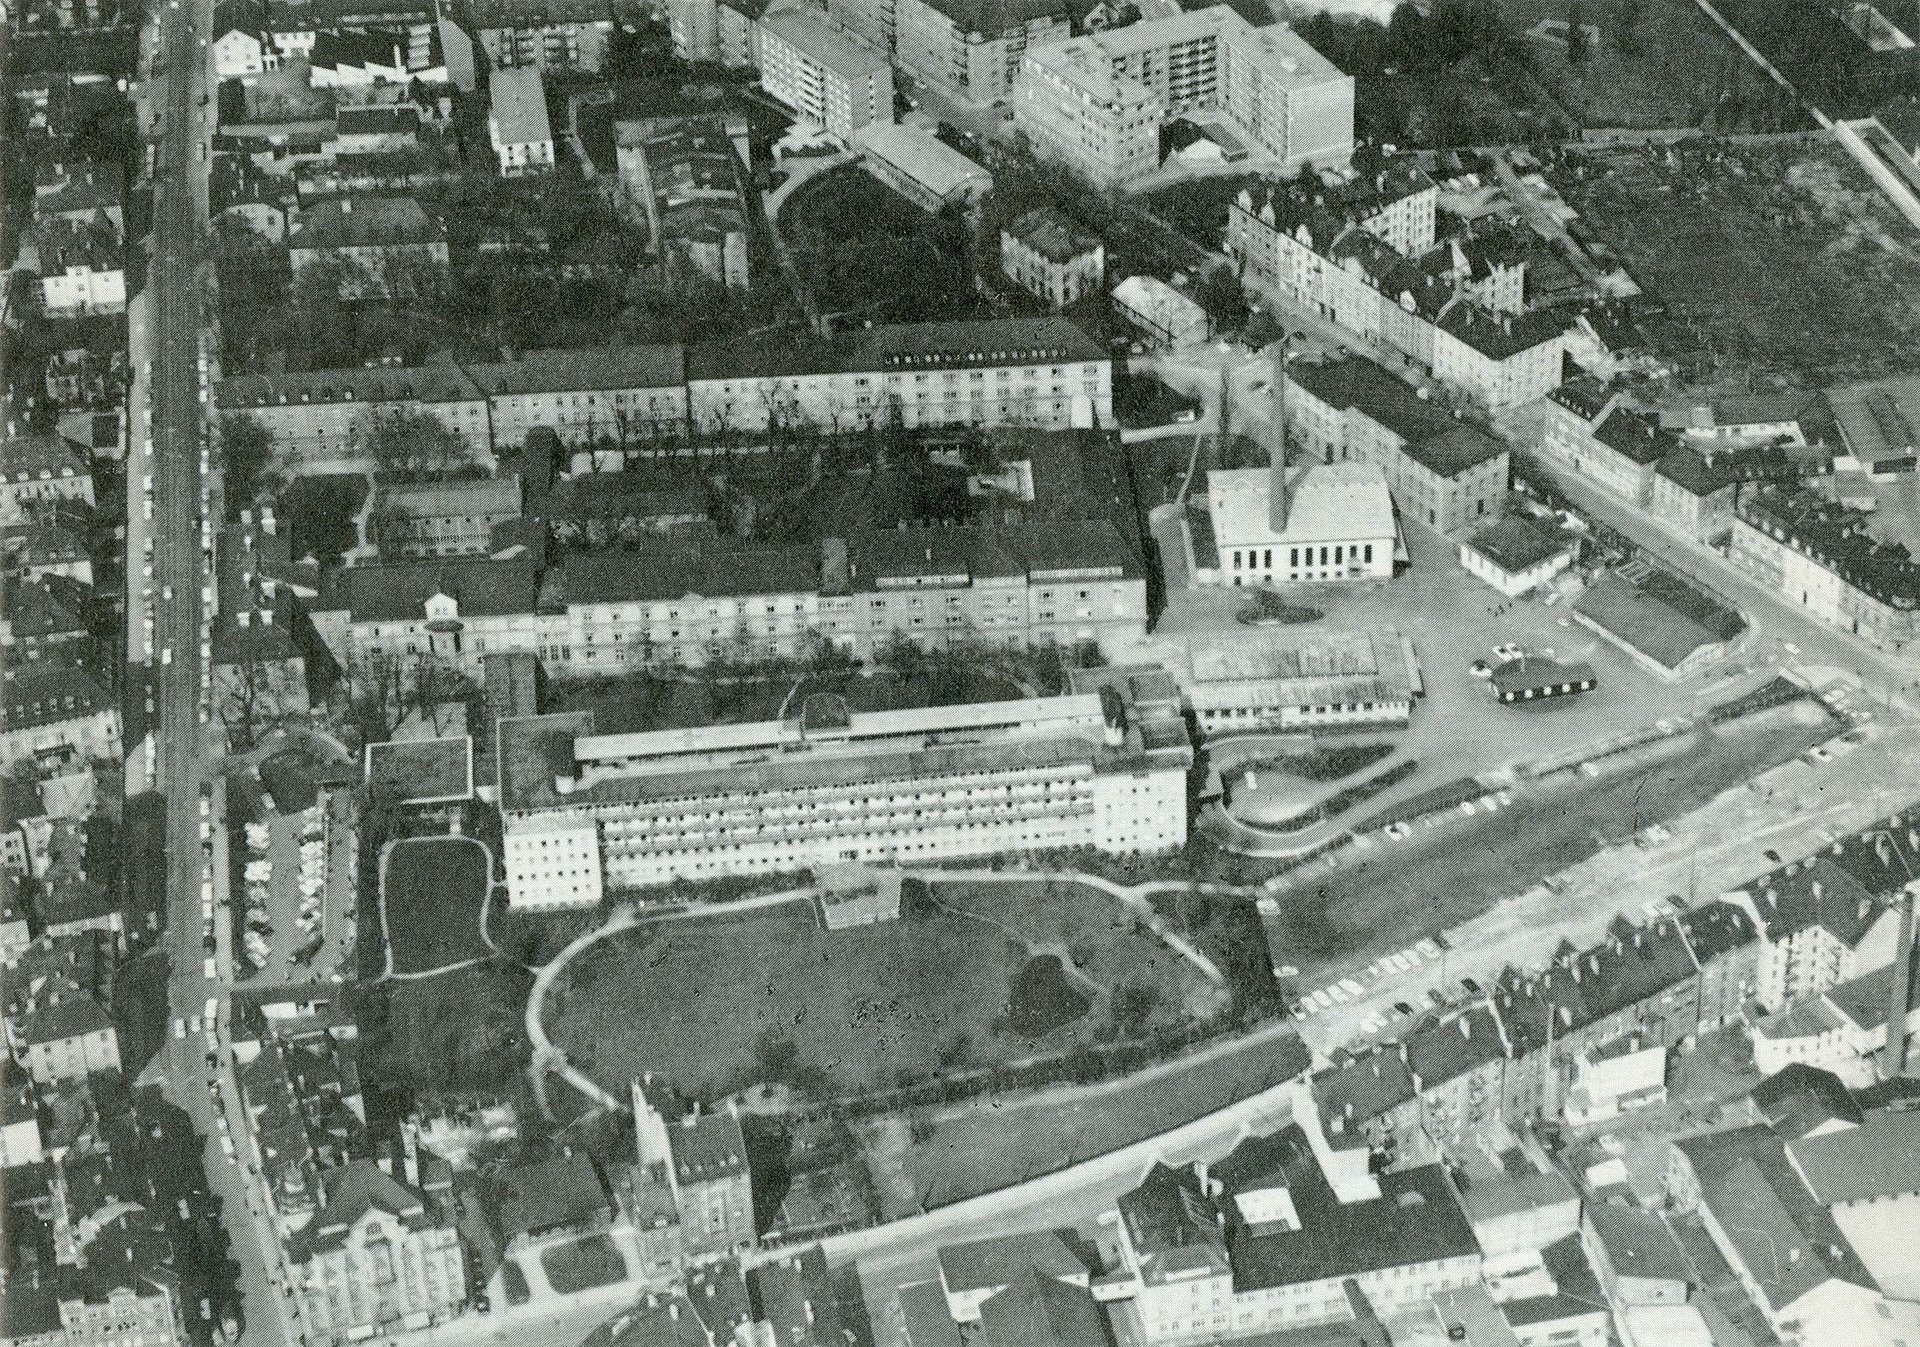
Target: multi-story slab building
1001, 372
1041, 372
835, 84
1822, 556
972, 49
1095, 103
826, 785
544, 34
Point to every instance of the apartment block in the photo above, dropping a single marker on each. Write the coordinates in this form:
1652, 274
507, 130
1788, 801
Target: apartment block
1095, 103
827, 785
544, 34
1445, 473
1360, 251
1822, 556
1590, 430
827, 79
972, 49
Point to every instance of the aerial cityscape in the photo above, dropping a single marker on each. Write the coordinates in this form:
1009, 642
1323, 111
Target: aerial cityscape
960, 673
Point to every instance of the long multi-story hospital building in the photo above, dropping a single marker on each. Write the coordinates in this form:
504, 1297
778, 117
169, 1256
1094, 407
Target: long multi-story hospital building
1104, 767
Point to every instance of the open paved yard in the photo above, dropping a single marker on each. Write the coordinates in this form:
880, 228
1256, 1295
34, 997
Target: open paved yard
717, 1003
1458, 729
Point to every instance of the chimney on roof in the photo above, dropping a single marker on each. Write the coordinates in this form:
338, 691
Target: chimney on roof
346, 205
1277, 506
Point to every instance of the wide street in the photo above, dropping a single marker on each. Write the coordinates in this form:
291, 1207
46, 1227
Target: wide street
167, 435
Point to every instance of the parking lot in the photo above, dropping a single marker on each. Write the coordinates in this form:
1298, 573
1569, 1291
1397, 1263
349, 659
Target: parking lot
1454, 619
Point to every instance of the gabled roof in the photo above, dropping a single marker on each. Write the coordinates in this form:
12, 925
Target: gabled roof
1517, 543
399, 591
1449, 1049
1802, 1098
1052, 235
1366, 1087
44, 693
1786, 1240
538, 1197
1037, 1311
997, 1261
1817, 892
366, 222
1878, 1158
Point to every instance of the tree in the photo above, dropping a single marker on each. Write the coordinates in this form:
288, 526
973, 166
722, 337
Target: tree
1220, 294
1577, 46
1626, 25
412, 446
245, 450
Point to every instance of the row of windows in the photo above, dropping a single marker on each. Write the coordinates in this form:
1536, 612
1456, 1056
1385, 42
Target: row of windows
1262, 558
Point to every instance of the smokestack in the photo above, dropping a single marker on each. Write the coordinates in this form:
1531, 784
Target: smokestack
1894, 1057
1277, 505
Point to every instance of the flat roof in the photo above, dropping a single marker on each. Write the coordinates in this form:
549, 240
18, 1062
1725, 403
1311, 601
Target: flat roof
816, 39
519, 106
424, 771
1332, 502
1651, 626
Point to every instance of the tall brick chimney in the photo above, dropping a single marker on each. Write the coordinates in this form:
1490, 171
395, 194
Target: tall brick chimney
1894, 1055
1277, 503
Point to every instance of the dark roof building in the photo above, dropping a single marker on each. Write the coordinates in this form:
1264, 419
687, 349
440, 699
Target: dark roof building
558, 1194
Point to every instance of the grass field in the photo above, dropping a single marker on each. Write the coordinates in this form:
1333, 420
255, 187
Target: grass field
714, 1004
1669, 69
1781, 260
460, 1031
636, 704
863, 248
433, 889
582, 1264
1106, 943
984, 1147
1400, 892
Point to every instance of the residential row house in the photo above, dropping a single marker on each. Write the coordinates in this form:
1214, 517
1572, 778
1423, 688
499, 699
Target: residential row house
38, 472
1040, 372
689, 601
1518, 1054
1822, 556
56, 708
58, 991
1361, 251
1443, 472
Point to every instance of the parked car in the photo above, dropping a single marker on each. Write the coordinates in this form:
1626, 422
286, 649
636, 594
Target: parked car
1480, 669
1472, 988
1402, 1008
1507, 650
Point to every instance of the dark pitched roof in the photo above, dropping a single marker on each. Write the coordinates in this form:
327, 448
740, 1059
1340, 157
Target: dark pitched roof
1416, 1219
997, 1261
1788, 1242
1692, 473
1816, 892
1837, 537
707, 1146
1800, 1098
673, 570
538, 1197
1036, 1311
44, 693
1366, 1087
1052, 235
794, 1298
351, 1191
561, 371
1358, 383
1516, 542
1636, 435
366, 222
398, 591
1444, 1051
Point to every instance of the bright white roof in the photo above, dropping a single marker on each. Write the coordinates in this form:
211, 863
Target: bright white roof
1331, 502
